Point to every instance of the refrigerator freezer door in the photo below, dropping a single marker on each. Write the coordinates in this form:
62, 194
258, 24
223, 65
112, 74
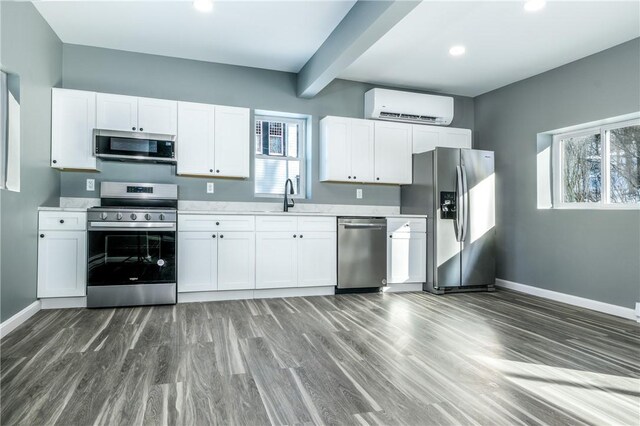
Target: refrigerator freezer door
478, 258
447, 250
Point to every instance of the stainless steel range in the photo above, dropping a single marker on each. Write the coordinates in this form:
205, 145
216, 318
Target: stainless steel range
132, 245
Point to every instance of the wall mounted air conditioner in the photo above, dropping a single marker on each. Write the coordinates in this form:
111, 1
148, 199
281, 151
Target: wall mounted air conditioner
393, 105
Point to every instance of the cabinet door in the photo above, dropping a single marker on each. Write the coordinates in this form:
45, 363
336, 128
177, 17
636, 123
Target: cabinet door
197, 261
407, 257
425, 138
276, 259
317, 259
116, 112
194, 144
232, 138
393, 152
73, 118
361, 146
236, 260
157, 116
456, 138
62, 264
335, 150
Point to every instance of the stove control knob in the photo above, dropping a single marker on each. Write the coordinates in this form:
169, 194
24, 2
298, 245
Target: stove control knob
119, 216
134, 216
103, 215
147, 216
161, 216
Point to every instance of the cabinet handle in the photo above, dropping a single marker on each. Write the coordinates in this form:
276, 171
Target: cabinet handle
221, 236
354, 177
133, 128
210, 170
61, 220
301, 235
217, 171
377, 178
294, 235
217, 223
141, 129
41, 235
55, 161
213, 236
348, 177
390, 236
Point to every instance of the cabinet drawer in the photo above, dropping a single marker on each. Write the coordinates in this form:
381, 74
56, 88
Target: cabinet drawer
316, 224
200, 222
277, 223
406, 225
60, 221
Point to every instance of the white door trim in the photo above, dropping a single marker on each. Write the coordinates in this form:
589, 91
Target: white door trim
582, 302
12, 323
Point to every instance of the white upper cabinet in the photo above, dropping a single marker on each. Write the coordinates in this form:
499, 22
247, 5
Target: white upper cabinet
393, 146
362, 151
195, 139
157, 116
346, 150
117, 112
355, 150
73, 118
213, 140
427, 138
232, 139
130, 113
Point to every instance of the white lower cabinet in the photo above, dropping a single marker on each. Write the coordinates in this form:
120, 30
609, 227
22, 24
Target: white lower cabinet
276, 259
236, 260
197, 261
317, 262
406, 257
62, 258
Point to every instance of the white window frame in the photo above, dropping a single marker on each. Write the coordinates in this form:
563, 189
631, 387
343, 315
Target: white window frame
301, 158
558, 193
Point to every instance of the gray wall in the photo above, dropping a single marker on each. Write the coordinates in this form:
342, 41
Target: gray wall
587, 253
32, 50
114, 71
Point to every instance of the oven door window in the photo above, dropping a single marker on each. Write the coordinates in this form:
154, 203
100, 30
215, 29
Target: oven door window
131, 257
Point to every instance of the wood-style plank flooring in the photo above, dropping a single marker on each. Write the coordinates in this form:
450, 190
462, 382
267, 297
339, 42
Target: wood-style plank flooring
413, 358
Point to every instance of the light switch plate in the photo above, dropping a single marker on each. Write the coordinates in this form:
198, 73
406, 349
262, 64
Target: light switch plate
210, 188
91, 184
359, 194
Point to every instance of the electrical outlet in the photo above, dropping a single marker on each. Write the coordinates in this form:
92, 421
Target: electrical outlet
209, 187
359, 193
91, 184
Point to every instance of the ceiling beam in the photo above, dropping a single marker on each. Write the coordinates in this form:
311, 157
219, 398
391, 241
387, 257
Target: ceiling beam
365, 24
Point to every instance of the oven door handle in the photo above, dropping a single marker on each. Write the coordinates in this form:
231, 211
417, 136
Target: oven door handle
131, 226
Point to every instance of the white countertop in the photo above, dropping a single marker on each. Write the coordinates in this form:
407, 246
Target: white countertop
294, 213
61, 209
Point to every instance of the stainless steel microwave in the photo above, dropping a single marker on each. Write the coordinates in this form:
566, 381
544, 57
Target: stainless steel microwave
125, 146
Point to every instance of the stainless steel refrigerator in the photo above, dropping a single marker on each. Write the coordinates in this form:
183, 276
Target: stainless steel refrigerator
455, 188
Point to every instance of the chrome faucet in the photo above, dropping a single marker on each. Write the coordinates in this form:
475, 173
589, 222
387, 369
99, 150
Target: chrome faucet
288, 203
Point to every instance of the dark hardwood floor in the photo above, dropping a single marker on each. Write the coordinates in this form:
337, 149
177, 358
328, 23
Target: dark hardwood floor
413, 358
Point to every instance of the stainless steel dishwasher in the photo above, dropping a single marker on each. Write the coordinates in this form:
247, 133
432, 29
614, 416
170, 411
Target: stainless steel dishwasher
362, 252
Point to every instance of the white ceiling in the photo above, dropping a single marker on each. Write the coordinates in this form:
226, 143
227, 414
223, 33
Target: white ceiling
278, 35
503, 43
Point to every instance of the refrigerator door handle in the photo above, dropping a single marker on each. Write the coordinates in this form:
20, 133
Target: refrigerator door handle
465, 205
458, 224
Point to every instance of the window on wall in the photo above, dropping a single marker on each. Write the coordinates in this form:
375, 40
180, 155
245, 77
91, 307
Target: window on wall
279, 155
598, 167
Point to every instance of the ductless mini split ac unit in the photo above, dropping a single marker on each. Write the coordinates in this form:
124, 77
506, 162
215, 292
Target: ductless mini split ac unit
393, 105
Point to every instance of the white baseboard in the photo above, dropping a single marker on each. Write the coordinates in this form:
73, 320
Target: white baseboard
402, 287
213, 296
582, 302
12, 323
64, 302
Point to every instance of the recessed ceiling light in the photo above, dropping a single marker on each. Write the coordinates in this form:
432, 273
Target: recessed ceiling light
457, 50
534, 5
203, 5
